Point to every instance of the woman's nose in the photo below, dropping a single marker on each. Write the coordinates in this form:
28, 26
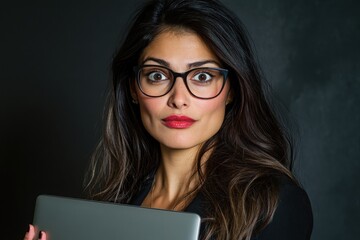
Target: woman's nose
179, 96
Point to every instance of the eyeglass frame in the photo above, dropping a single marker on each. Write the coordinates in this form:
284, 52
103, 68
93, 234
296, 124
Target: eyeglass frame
183, 75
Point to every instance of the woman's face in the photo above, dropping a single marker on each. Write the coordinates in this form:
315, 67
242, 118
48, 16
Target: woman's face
179, 120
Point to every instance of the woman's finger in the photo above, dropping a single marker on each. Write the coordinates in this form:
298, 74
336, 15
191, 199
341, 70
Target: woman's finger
30, 234
42, 235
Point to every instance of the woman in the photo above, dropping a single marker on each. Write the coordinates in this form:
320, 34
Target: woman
188, 128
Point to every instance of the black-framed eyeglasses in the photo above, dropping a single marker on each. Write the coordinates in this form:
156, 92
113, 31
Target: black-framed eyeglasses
203, 83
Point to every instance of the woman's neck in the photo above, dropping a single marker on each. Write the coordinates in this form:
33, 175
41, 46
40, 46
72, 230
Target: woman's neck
176, 171
175, 180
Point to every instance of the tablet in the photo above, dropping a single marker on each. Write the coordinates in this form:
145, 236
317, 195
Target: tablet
64, 218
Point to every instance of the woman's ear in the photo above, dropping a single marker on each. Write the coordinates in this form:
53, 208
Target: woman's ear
133, 93
229, 98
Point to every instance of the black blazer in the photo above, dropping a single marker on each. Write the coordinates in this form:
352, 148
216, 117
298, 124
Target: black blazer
293, 219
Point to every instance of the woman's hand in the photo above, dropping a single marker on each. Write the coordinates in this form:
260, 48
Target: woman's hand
30, 235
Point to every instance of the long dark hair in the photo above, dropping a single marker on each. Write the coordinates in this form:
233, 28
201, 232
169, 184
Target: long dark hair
249, 152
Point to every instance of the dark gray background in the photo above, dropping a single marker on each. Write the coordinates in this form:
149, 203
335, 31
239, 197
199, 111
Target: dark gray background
55, 60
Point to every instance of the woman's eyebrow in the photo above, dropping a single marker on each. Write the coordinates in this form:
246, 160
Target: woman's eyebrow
200, 63
190, 65
158, 60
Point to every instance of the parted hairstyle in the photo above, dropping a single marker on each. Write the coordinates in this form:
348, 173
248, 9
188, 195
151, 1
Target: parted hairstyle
247, 155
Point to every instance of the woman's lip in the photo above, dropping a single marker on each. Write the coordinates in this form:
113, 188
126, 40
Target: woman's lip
178, 118
178, 122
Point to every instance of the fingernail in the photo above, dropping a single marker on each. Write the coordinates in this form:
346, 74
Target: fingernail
40, 234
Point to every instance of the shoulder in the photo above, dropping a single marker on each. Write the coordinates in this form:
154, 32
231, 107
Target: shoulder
293, 217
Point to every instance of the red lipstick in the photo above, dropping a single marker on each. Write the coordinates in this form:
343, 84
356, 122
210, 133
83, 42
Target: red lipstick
178, 122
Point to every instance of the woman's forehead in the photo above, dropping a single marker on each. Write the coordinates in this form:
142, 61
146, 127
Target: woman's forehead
177, 47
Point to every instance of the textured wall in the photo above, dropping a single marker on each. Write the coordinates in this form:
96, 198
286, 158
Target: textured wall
54, 70
310, 53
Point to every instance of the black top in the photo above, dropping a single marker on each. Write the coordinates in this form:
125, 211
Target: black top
293, 217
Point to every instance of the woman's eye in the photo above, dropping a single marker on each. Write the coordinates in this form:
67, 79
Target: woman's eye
202, 77
157, 76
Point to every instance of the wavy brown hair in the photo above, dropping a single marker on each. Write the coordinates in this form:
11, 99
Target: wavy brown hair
248, 154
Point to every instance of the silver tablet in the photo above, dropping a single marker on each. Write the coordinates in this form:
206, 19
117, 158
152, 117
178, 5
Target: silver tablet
65, 218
